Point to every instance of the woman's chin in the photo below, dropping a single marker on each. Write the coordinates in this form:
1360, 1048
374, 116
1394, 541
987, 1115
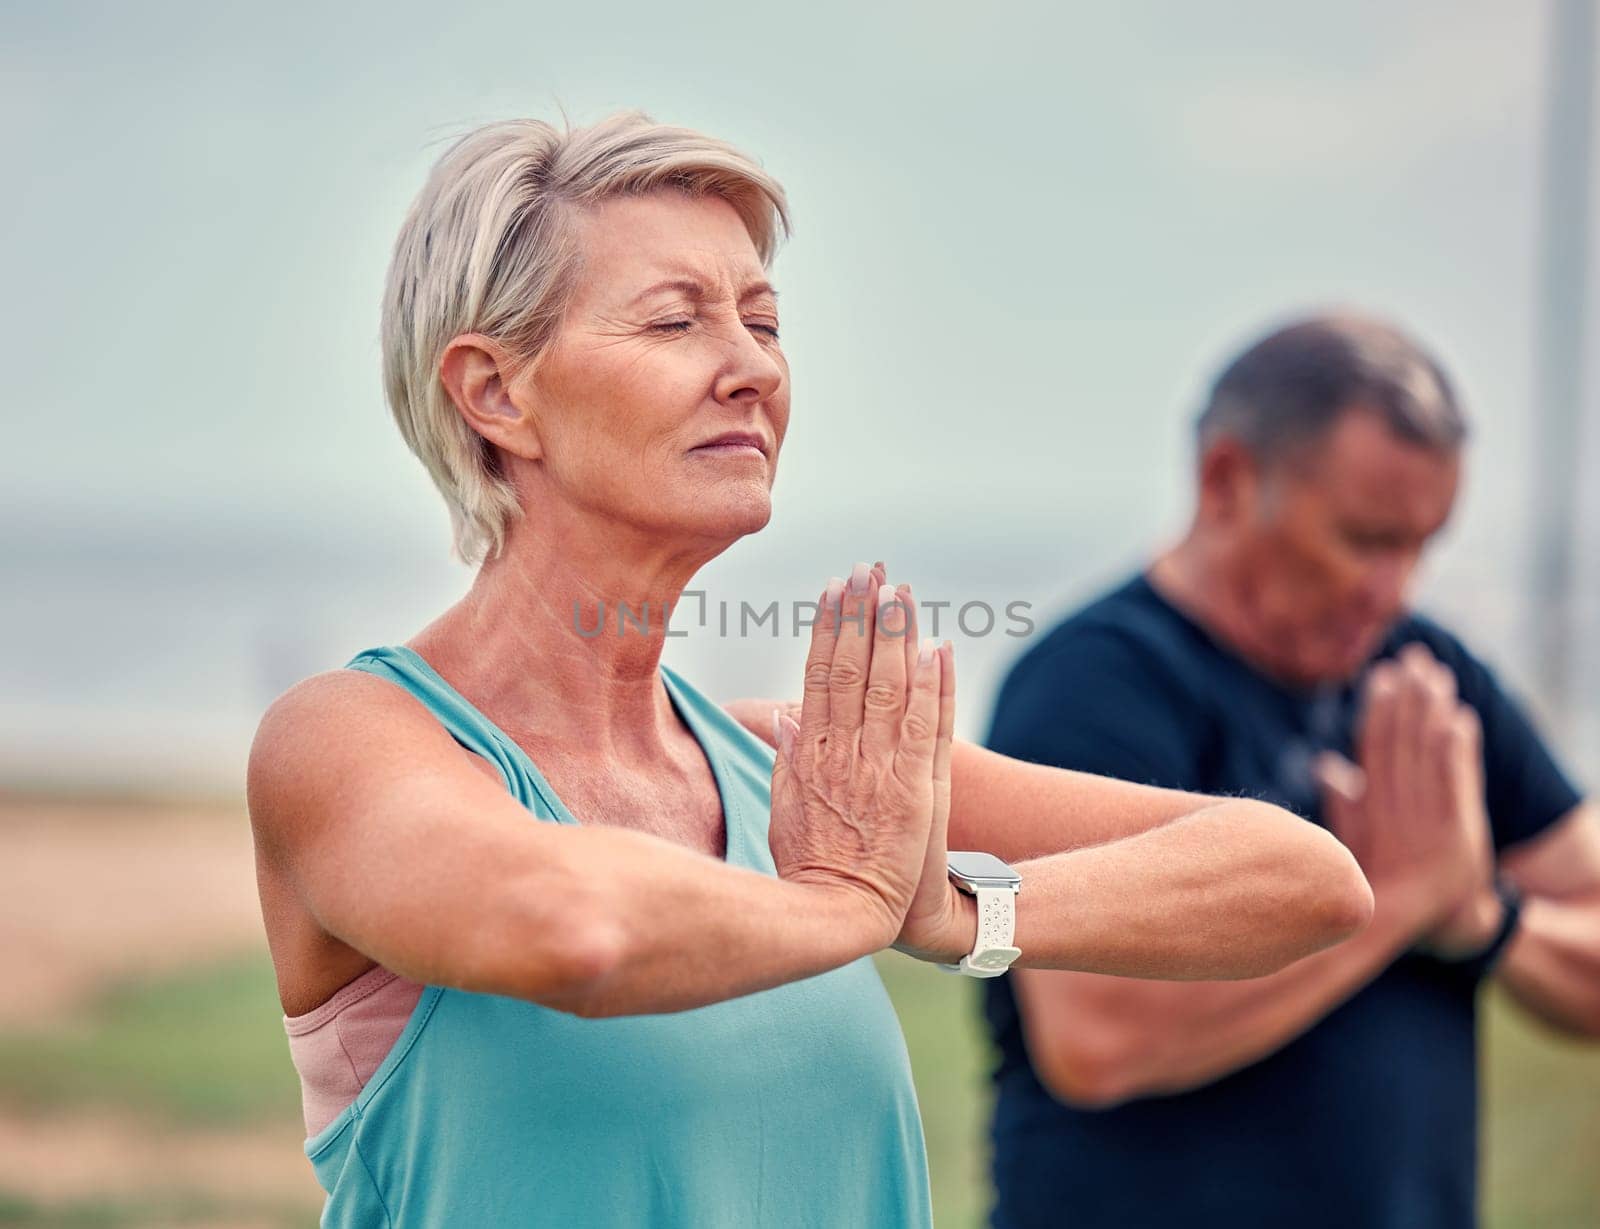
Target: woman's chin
733, 514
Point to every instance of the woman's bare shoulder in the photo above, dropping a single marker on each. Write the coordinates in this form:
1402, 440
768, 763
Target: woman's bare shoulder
341, 734
340, 695
344, 769
293, 761
330, 702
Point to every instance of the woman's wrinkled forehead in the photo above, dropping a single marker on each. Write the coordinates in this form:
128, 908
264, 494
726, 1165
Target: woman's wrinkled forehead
635, 248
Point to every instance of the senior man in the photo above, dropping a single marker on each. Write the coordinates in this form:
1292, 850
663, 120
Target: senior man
1272, 653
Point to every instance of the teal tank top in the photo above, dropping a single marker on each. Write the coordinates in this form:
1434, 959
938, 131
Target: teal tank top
790, 1107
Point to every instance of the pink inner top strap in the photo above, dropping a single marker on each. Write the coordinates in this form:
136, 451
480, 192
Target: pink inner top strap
338, 1046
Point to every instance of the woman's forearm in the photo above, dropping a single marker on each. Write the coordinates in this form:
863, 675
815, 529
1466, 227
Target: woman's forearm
1236, 889
1135, 880
1019, 810
638, 925
1239, 889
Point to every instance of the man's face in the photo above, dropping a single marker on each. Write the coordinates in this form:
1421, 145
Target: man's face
1326, 557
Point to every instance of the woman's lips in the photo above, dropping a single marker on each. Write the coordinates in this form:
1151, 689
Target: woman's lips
731, 448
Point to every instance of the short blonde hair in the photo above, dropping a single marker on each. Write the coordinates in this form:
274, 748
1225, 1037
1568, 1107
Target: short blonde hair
489, 247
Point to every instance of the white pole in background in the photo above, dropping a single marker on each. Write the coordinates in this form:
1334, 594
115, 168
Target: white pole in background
1560, 384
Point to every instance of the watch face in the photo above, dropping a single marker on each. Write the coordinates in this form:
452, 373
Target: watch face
982, 870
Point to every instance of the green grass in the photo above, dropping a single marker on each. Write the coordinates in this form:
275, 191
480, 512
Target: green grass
207, 1049
16, 1213
204, 1048
950, 1061
1541, 1125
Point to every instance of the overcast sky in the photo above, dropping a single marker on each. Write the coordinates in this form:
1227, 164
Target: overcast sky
1023, 241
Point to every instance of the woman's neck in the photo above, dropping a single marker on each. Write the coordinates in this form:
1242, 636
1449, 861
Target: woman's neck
559, 639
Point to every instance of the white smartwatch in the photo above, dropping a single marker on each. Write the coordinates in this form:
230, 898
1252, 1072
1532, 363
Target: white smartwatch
995, 885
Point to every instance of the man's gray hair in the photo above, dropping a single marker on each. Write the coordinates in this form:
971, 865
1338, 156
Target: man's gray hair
1287, 389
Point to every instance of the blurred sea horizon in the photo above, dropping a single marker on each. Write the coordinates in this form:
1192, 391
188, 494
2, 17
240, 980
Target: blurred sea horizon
144, 651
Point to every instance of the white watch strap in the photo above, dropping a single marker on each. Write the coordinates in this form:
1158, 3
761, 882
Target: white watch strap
992, 953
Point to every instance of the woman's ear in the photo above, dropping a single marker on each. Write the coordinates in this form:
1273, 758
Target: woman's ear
478, 373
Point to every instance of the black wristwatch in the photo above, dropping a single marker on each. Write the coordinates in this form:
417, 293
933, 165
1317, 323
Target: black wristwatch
1511, 906
1481, 963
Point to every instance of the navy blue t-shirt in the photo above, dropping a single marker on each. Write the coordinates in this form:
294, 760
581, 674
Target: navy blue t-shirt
1366, 1121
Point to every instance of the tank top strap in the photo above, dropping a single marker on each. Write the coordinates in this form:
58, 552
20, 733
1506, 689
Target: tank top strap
464, 723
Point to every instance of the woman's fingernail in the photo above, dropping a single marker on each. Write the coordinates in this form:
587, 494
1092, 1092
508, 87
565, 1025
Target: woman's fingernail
786, 731
888, 602
926, 651
835, 593
860, 578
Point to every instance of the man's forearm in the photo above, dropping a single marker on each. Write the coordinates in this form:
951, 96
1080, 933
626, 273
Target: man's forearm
1103, 1040
1552, 964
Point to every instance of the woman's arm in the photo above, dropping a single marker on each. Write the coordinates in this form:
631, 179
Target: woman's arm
1139, 881
1153, 882
1136, 881
1018, 810
1237, 889
402, 849
398, 847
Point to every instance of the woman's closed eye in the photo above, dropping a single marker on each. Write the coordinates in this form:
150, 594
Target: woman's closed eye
683, 326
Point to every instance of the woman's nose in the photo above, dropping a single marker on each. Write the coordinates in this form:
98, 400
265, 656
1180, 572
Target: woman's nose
752, 371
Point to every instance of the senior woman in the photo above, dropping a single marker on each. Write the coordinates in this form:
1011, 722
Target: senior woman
654, 1006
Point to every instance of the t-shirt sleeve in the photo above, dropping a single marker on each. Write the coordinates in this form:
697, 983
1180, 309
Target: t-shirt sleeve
1524, 788
1093, 700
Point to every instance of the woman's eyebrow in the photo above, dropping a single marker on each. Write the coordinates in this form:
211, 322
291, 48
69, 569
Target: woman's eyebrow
697, 291
689, 287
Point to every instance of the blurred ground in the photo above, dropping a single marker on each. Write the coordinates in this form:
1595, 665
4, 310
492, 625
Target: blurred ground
96, 891
141, 1080
145, 1081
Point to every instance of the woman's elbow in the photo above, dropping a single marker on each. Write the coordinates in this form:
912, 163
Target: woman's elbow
1325, 897
1348, 901
562, 962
